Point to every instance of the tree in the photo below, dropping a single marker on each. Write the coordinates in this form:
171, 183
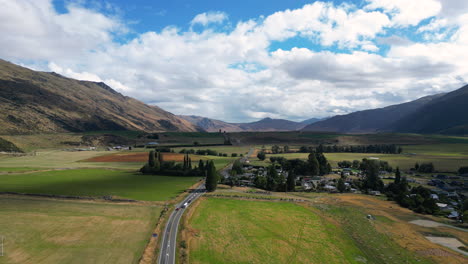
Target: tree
157, 165
372, 180
291, 182
320, 149
261, 155
159, 157
211, 177
341, 185
185, 162
272, 176
237, 167
463, 170
329, 168
286, 149
323, 162
397, 176
151, 159
201, 166
416, 166
313, 164
275, 149
426, 167
356, 164
260, 182
345, 164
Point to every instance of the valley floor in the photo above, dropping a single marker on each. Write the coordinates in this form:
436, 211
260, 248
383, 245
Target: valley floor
236, 226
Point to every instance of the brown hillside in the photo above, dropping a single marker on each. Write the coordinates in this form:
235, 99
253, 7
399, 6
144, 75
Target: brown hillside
32, 102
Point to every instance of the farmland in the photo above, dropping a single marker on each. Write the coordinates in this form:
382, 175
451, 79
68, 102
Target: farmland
327, 229
55, 231
446, 157
142, 157
257, 229
97, 183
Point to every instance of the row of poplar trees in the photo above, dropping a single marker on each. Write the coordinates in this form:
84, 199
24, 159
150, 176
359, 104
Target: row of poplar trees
156, 163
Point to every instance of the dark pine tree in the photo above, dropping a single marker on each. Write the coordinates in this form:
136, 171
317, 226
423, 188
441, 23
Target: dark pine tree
211, 177
314, 166
151, 159
201, 167
160, 158
291, 182
341, 185
397, 176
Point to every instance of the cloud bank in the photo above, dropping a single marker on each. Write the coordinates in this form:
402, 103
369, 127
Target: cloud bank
349, 57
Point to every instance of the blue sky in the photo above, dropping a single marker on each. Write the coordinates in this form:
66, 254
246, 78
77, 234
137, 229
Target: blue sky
245, 60
144, 16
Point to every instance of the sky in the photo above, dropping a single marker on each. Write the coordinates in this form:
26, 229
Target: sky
241, 61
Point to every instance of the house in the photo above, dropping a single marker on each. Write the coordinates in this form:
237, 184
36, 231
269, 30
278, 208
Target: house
453, 215
434, 196
309, 183
306, 185
376, 193
246, 183
441, 205
152, 144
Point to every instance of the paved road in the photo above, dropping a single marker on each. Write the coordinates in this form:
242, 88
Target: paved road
169, 244
225, 172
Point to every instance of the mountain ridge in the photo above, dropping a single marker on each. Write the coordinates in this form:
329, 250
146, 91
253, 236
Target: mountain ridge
36, 102
444, 113
371, 120
265, 124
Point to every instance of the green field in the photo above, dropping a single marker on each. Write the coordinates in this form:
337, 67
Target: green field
63, 159
239, 231
271, 232
446, 157
52, 231
220, 149
17, 169
98, 182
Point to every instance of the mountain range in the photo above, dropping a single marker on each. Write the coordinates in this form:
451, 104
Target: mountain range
445, 113
266, 124
36, 102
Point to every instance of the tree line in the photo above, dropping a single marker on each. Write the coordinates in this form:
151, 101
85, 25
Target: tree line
207, 152
417, 199
379, 149
316, 164
361, 165
156, 165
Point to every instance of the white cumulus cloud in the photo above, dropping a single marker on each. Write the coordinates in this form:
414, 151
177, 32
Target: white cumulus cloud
209, 17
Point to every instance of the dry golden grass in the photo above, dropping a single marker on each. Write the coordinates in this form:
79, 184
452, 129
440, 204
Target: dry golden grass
40, 230
398, 228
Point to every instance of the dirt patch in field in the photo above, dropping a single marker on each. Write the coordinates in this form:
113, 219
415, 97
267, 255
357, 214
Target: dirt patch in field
426, 223
254, 154
407, 235
137, 157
